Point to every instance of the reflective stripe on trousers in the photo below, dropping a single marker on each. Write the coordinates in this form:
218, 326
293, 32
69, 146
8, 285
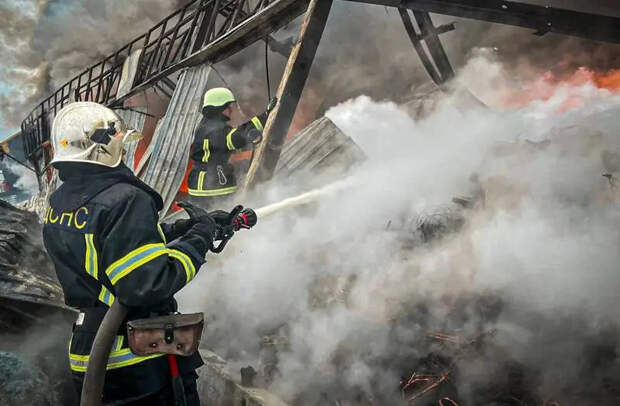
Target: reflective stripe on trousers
212, 192
119, 357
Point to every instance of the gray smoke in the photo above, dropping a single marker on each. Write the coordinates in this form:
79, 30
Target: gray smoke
47, 42
351, 304
365, 50
26, 179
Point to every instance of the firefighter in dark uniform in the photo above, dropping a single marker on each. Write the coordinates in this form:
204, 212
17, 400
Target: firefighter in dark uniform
102, 233
212, 179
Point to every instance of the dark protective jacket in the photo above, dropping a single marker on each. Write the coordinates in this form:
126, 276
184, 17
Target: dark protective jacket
214, 141
102, 233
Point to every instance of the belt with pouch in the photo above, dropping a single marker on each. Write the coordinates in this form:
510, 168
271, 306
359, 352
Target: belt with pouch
177, 334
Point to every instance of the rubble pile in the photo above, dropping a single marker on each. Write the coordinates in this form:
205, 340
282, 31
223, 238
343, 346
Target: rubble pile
35, 323
24, 384
27, 277
458, 361
448, 350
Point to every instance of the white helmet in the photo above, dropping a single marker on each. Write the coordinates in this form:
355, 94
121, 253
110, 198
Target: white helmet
90, 133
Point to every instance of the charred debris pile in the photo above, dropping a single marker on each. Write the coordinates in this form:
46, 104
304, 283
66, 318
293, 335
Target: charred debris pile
35, 323
449, 350
456, 360
445, 351
27, 275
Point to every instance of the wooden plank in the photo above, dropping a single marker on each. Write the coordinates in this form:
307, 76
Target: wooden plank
289, 92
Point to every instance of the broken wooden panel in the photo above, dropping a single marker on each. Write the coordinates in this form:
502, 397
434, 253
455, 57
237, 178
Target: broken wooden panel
322, 147
173, 137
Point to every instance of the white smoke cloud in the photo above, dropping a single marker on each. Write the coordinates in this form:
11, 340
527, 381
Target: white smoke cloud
26, 179
545, 241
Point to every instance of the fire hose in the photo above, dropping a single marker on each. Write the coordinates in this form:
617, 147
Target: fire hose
94, 378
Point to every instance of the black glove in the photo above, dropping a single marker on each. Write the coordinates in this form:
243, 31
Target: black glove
201, 235
272, 104
255, 136
221, 217
198, 216
194, 212
178, 228
246, 219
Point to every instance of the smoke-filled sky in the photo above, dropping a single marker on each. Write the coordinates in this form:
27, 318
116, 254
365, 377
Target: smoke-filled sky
355, 302
45, 42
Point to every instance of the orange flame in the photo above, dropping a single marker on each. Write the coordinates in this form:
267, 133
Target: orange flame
548, 85
610, 81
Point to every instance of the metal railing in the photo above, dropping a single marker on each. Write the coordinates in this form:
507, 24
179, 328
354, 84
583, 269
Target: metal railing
173, 39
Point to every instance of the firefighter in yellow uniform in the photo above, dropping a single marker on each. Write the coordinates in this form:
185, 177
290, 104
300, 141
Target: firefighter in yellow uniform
212, 179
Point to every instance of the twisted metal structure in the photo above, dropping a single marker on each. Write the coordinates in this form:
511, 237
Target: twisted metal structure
201, 31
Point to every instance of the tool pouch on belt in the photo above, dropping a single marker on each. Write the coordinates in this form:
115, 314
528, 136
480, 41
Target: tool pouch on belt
177, 334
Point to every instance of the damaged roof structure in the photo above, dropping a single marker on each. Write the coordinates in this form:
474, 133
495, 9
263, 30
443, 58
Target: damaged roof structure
174, 58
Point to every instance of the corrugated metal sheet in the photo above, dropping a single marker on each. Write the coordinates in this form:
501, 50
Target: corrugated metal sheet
319, 146
133, 119
140, 170
171, 142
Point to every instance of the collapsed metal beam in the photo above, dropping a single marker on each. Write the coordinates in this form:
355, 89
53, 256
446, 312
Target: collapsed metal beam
202, 31
272, 18
164, 91
445, 72
543, 19
431, 37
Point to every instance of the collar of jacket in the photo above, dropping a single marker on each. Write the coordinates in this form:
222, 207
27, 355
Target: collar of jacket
82, 182
219, 117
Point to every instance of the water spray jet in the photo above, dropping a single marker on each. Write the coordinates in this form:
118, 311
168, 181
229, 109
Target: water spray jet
303, 199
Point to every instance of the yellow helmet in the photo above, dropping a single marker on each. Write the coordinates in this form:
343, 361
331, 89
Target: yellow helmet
89, 132
218, 97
